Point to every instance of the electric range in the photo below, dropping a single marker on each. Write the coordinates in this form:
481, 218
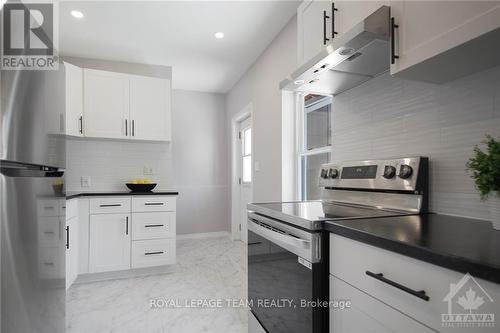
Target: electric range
288, 248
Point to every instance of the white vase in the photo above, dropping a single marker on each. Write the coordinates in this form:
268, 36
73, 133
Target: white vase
494, 202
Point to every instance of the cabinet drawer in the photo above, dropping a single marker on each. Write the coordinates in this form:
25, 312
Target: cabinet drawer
365, 313
110, 205
49, 231
50, 262
157, 252
70, 207
48, 207
358, 264
153, 225
153, 204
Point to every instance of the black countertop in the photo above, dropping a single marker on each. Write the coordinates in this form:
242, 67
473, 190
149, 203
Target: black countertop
460, 244
72, 195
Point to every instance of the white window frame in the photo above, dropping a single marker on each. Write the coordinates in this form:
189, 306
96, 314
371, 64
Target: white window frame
301, 137
242, 152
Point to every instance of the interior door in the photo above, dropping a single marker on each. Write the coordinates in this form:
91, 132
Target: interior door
109, 242
150, 114
106, 104
245, 137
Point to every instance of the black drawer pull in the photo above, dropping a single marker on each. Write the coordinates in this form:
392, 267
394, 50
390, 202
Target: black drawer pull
420, 294
154, 203
110, 205
49, 232
152, 253
153, 225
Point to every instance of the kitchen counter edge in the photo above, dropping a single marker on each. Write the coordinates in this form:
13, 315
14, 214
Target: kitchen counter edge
74, 195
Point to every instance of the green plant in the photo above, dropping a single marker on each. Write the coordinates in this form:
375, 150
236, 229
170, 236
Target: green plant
485, 167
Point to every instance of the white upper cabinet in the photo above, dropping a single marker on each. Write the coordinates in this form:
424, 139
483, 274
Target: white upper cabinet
106, 104
74, 100
320, 22
123, 106
150, 108
430, 28
314, 29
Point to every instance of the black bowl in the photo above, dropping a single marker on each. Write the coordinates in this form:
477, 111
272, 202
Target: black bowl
141, 187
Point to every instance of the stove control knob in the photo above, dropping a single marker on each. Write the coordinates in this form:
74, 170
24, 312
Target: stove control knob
324, 173
389, 172
334, 173
405, 171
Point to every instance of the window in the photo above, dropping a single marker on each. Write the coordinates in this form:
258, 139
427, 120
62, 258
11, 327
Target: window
314, 143
246, 155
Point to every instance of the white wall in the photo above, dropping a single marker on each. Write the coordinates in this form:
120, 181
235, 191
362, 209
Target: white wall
388, 117
200, 161
260, 86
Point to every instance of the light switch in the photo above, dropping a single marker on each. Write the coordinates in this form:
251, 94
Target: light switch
256, 166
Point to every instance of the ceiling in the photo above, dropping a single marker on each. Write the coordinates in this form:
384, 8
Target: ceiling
178, 34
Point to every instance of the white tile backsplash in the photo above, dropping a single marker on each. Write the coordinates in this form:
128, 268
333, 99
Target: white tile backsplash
388, 117
110, 164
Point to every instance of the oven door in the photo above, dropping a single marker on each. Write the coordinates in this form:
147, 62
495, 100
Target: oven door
280, 281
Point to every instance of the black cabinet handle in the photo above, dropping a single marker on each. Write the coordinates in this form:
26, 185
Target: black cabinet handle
333, 20
155, 252
154, 204
67, 237
126, 225
80, 119
394, 26
133, 127
126, 127
110, 205
153, 225
324, 27
379, 276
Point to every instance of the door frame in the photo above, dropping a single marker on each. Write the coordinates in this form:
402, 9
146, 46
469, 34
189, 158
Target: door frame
246, 112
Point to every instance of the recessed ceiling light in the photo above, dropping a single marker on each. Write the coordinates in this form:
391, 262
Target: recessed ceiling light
219, 35
298, 82
76, 13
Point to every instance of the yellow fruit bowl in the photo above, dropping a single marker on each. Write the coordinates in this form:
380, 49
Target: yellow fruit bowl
141, 187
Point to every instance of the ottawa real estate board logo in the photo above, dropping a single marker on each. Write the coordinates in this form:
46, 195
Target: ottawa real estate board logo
469, 305
29, 35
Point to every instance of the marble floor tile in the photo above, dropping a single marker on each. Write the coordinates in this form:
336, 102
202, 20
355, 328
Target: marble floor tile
212, 268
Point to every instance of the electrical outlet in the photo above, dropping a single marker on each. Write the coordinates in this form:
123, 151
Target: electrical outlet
147, 170
85, 181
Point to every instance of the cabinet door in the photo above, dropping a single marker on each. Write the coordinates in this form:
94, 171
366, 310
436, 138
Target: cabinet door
109, 242
350, 13
74, 100
150, 108
106, 104
428, 28
312, 28
366, 314
71, 251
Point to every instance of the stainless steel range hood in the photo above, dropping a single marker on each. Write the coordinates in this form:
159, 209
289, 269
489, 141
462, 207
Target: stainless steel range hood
349, 60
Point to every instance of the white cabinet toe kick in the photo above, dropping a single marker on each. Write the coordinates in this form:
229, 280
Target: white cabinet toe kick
122, 233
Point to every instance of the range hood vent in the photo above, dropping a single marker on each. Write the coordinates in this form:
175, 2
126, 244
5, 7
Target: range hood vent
352, 58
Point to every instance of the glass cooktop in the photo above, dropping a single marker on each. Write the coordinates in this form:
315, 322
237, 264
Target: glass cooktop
311, 214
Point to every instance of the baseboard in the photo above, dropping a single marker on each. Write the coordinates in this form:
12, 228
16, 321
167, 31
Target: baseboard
125, 274
202, 235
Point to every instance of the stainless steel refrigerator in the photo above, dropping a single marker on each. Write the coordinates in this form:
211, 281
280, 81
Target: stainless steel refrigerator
33, 234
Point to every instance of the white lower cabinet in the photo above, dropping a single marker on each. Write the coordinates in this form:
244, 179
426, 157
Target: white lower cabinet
366, 314
127, 232
109, 242
72, 252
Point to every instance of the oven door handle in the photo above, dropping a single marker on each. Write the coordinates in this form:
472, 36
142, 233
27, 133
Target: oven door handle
277, 237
